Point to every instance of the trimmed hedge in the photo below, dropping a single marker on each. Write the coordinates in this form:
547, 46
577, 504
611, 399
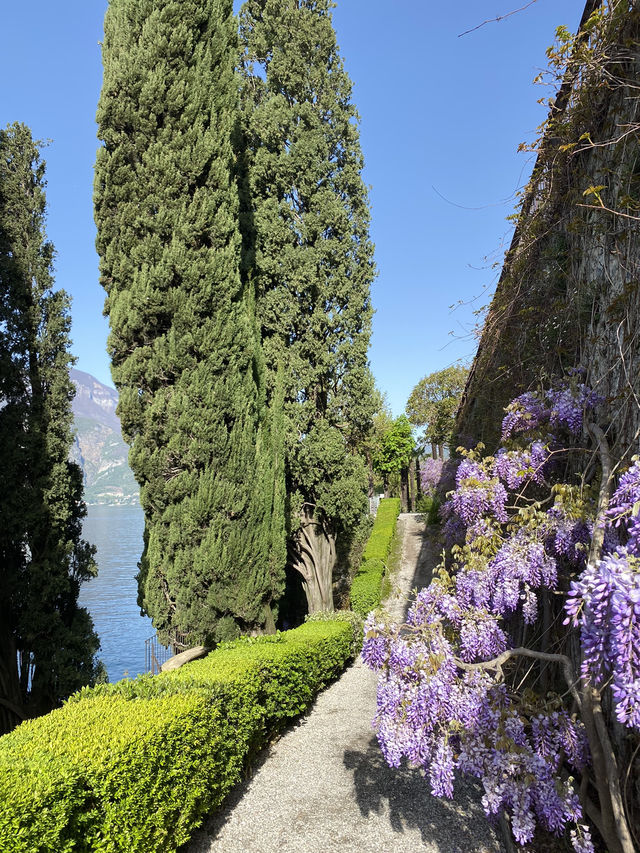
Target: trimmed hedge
354, 619
133, 766
367, 584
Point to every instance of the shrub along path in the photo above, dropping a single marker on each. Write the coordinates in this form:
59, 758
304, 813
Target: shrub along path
324, 785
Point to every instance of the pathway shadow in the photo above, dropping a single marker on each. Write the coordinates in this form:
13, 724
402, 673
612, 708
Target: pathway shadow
455, 826
427, 548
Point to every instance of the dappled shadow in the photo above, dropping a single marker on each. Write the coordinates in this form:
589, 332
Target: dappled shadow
422, 547
428, 556
455, 826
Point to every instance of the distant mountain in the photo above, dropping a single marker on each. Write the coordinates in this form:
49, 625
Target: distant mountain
98, 447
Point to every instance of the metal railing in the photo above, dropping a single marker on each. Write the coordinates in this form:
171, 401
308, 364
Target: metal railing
155, 654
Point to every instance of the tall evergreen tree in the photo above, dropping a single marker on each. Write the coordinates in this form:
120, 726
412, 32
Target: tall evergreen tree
184, 342
307, 220
47, 643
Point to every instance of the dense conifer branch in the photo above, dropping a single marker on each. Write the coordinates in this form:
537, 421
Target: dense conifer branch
47, 643
307, 221
184, 339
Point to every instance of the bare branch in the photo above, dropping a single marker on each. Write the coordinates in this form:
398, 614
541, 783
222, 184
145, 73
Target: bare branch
610, 210
496, 664
498, 18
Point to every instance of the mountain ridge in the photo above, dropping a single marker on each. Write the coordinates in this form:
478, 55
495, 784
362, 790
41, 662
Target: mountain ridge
98, 446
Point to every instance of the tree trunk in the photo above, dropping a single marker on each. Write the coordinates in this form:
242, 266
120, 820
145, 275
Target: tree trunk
370, 475
12, 709
404, 489
441, 451
418, 483
313, 554
412, 483
434, 450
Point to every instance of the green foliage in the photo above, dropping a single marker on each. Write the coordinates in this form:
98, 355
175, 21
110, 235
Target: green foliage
434, 401
133, 766
184, 341
366, 586
379, 542
396, 448
393, 564
306, 230
382, 421
428, 505
47, 643
331, 477
354, 619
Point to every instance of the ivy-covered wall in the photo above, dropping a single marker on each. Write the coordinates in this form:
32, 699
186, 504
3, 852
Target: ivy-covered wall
569, 293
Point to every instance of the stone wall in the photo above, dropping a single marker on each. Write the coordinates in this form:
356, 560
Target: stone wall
569, 293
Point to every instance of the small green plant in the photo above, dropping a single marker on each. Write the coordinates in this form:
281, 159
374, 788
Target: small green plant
393, 565
354, 619
429, 506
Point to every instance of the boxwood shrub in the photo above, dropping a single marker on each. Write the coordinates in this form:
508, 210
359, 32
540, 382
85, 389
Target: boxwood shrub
367, 584
132, 767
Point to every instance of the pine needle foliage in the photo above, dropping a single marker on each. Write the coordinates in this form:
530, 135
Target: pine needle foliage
47, 642
184, 341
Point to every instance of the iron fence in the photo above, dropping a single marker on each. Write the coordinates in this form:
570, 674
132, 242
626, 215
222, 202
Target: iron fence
155, 654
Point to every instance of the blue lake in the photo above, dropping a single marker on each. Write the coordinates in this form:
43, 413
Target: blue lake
111, 598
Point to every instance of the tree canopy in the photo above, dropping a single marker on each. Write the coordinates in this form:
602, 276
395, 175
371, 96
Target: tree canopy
184, 339
47, 642
434, 401
396, 448
306, 221
235, 254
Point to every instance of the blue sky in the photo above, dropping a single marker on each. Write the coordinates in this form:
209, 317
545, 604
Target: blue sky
442, 117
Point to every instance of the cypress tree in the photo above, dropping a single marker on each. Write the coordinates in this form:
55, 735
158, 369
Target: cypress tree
184, 341
308, 217
47, 643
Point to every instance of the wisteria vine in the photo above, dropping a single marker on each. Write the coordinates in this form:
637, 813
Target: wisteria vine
443, 701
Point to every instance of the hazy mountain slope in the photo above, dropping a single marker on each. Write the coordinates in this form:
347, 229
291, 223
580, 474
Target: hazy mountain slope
99, 448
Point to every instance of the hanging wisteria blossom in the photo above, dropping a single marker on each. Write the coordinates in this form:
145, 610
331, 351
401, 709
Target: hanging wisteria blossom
443, 704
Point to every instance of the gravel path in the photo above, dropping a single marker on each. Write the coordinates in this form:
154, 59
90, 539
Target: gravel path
324, 785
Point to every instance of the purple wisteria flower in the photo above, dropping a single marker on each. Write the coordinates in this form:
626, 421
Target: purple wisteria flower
568, 537
526, 412
442, 718
605, 603
561, 407
481, 637
477, 493
568, 406
520, 566
624, 507
581, 839
517, 467
430, 474
453, 528
438, 706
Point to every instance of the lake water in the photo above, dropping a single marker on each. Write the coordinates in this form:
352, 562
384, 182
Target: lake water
110, 598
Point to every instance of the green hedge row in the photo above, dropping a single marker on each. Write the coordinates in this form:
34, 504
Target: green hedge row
367, 584
132, 767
